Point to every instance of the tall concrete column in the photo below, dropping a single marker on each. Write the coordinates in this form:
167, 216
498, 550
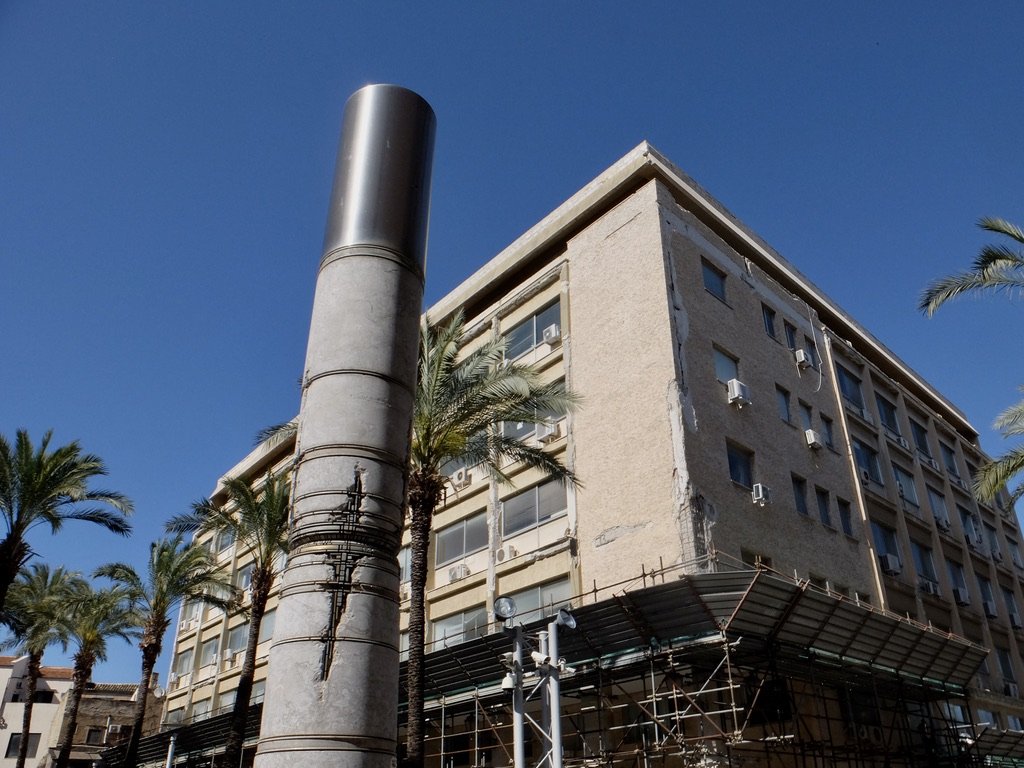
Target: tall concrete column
332, 690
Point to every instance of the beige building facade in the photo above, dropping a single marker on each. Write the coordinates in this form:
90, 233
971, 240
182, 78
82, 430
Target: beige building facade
733, 417
47, 710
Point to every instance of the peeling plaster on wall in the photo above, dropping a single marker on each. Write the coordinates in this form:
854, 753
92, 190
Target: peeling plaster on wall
608, 535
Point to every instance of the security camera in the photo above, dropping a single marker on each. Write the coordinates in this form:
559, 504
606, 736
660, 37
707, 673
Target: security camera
540, 659
565, 669
508, 683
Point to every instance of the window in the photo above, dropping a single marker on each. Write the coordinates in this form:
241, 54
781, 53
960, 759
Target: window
806, 415
845, 516
849, 387
243, 578
208, 653
782, 399
458, 540
201, 709
885, 539
949, 459
529, 509
790, 334
971, 532
905, 485
183, 662
956, 575
405, 564
992, 539
530, 333
237, 638
259, 690
267, 626
923, 562
887, 415
939, 509
920, 435
1014, 723
1005, 664
812, 352
1014, 550
1011, 606
225, 538
14, 744
985, 588
829, 431
867, 461
190, 611
714, 279
94, 736
822, 497
548, 597
461, 626
987, 718
741, 465
226, 699
800, 495
769, 320
726, 366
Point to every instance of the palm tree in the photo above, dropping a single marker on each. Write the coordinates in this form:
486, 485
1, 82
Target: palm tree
36, 610
95, 616
996, 269
43, 487
458, 415
258, 521
175, 572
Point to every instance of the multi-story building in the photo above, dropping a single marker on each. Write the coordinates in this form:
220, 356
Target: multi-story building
51, 688
734, 417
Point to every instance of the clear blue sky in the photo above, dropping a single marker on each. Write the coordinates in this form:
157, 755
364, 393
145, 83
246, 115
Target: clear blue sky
165, 170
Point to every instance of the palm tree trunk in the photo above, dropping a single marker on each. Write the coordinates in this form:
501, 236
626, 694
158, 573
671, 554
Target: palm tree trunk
34, 660
424, 496
261, 582
82, 673
150, 653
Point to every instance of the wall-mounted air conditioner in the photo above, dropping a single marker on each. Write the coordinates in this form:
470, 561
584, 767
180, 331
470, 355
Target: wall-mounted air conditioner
890, 564
462, 477
457, 572
929, 587
504, 553
761, 494
961, 596
942, 523
904, 444
803, 358
546, 431
865, 476
114, 728
404, 591
738, 392
552, 334
813, 439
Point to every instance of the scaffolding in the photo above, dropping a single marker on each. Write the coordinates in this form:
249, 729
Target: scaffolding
741, 668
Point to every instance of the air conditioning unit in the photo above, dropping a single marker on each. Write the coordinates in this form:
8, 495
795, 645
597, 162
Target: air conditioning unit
904, 443
959, 481
997, 555
761, 494
865, 476
1011, 689
114, 728
462, 477
504, 553
404, 591
738, 392
961, 596
900, 490
813, 439
172, 678
188, 624
931, 462
864, 414
457, 572
990, 609
942, 523
552, 334
803, 358
228, 654
929, 587
546, 431
890, 564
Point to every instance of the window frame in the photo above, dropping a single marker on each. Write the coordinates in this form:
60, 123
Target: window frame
536, 491
717, 277
745, 458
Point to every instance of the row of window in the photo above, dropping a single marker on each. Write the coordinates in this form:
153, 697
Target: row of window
519, 512
235, 643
